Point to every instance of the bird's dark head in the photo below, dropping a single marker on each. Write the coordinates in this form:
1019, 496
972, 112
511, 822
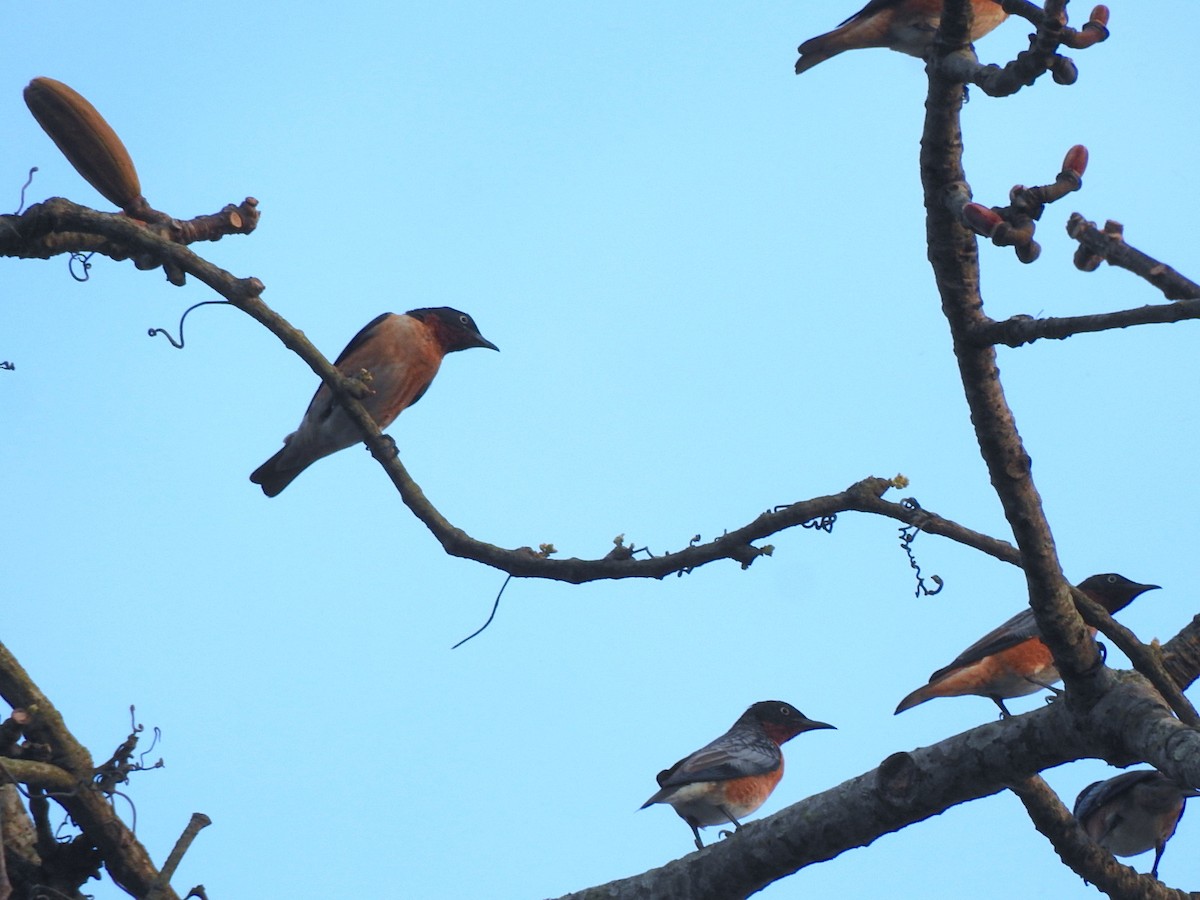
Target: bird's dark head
1113, 592
781, 721
453, 329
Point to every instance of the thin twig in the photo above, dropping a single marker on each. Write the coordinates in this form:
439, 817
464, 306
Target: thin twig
1109, 245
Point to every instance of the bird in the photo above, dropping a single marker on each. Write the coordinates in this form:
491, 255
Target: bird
400, 354
907, 26
1012, 660
732, 776
1134, 812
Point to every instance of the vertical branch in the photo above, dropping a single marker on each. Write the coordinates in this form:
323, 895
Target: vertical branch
5, 884
953, 254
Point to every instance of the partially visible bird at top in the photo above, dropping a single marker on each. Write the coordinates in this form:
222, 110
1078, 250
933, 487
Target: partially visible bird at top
731, 777
907, 26
1012, 660
401, 354
1133, 812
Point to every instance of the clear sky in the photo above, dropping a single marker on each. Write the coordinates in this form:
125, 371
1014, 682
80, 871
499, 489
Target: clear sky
707, 278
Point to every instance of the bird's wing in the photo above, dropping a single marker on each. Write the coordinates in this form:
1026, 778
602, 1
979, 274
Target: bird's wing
870, 9
1020, 627
322, 392
1099, 793
361, 338
729, 756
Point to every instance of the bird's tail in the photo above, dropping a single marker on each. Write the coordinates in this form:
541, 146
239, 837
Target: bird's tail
277, 473
853, 34
817, 51
916, 698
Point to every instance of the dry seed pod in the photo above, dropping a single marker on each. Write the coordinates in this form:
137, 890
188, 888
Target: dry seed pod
85, 139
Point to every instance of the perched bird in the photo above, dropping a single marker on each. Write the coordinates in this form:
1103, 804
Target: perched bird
1012, 661
401, 354
735, 774
1134, 812
904, 25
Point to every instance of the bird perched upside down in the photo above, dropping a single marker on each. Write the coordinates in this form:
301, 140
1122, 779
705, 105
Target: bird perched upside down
401, 354
907, 26
733, 776
1012, 660
1133, 812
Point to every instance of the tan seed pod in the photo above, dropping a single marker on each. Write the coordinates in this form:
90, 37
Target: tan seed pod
85, 139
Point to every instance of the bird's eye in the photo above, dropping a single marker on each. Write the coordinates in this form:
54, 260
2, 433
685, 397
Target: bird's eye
1112, 579
465, 320
785, 710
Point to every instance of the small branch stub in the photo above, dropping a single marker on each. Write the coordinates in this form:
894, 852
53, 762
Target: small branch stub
1109, 245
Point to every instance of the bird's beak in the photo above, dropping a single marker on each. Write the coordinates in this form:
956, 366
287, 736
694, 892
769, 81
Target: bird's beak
811, 725
481, 341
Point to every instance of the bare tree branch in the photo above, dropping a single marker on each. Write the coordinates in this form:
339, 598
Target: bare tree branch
909, 787
1080, 852
953, 253
963, 67
59, 216
1021, 330
1109, 246
1181, 654
1147, 659
125, 858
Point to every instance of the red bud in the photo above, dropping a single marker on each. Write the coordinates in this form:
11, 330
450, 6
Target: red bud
981, 219
1076, 160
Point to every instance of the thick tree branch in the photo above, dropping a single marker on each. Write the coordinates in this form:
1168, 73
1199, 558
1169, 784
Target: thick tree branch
1147, 659
36, 774
1181, 655
909, 787
953, 254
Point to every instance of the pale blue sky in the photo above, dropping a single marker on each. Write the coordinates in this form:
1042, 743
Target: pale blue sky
707, 278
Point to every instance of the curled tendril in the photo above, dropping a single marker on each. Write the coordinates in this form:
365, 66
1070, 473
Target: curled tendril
28, 182
154, 743
908, 534
824, 523
84, 260
178, 345
132, 807
495, 606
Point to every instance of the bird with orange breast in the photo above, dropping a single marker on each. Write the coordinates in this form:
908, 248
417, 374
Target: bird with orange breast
1134, 812
401, 354
907, 26
1012, 660
731, 777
